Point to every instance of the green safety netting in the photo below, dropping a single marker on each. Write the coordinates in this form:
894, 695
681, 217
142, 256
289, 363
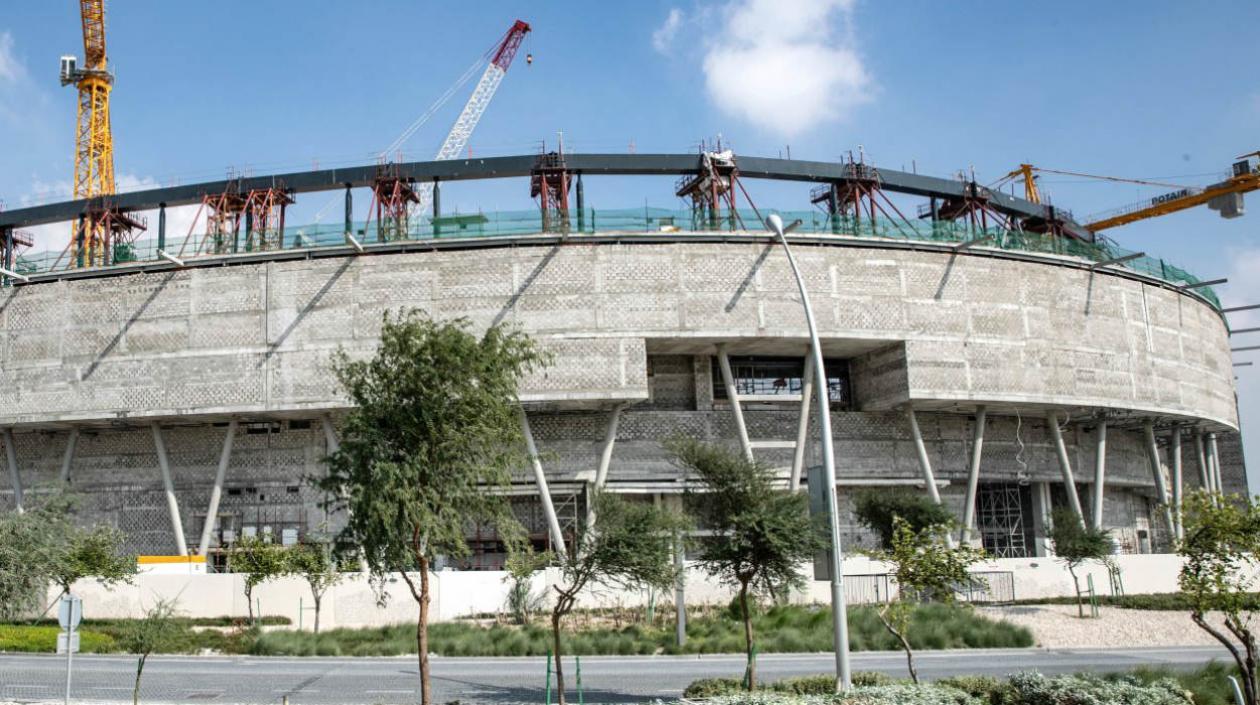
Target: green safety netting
639, 220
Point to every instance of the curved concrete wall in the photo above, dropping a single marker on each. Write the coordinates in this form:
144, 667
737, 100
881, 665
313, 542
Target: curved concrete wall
939, 329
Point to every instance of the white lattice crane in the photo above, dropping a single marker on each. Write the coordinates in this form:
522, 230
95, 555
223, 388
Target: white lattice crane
500, 58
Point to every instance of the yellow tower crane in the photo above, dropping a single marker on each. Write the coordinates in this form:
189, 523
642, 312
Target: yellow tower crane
1225, 197
94, 140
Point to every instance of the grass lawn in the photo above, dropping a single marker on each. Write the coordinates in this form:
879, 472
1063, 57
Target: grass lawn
789, 628
778, 629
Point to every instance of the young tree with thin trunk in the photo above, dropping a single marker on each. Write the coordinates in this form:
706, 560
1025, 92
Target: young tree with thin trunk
95, 552
259, 561
1221, 549
630, 546
1076, 544
924, 569
156, 632
315, 563
760, 534
432, 436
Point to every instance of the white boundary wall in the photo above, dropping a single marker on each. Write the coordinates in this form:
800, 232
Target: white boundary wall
460, 594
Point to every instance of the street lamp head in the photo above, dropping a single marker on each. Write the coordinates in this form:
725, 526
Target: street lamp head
775, 223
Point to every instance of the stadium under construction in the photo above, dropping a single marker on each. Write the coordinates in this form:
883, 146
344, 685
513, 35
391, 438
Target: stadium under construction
983, 348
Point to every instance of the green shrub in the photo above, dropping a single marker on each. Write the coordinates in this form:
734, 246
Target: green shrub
713, 687
43, 639
900, 694
988, 689
1037, 689
1163, 602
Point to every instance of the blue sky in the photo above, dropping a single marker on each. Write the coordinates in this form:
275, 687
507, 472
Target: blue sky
1138, 89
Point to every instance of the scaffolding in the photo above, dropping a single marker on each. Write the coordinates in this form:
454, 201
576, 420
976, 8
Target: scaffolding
223, 220
264, 218
105, 235
858, 201
392, 198
549, 183
711, 190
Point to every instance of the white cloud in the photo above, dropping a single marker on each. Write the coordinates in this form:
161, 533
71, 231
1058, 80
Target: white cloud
11, 69
664, 35
785, 65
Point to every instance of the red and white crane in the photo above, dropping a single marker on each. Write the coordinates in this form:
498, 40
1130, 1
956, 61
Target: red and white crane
496, 62
500, 58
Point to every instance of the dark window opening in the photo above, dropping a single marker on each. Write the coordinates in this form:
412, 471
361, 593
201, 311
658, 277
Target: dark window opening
759, 375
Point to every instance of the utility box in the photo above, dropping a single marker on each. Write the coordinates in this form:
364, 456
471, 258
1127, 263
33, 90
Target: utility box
816, 481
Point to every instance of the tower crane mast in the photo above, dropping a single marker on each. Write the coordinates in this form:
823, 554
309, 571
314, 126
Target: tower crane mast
457, 139
94, 140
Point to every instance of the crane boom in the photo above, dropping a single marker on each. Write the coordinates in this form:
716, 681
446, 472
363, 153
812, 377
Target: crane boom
457, 139
1245, 179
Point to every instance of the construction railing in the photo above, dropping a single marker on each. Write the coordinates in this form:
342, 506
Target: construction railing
658, 220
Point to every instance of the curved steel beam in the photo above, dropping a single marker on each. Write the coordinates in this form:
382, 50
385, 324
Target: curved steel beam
513, 167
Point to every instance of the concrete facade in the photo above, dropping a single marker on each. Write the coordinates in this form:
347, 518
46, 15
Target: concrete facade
630, 322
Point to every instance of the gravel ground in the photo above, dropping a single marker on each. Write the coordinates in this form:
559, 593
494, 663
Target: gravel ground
1058, 627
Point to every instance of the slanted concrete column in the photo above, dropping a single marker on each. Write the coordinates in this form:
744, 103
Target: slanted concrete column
540, 479
925, 464
172, 504
15, 476
1174, 450
68, 458
1065, 465
802, 425
732, 395
605, 460
1157, 471
1200, 457
212, 510
1214, 452
1100, 473
973, 475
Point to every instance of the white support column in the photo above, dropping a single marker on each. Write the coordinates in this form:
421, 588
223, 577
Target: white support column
925, 464
802, 425
212, 511
1100, 473
172, 504
1174, 450
68, 458
1200, 456
330, 434
549, 509
1214, 452
732, 395
1161, 488
15, 476
973, 475
605, 460
1065, 465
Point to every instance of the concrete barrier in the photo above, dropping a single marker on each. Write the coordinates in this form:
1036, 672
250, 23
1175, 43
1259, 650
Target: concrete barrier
457, 594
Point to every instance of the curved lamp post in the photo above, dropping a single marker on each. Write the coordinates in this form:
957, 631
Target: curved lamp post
839, 615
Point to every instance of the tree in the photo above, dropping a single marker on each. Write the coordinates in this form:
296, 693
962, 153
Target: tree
433, 434
157, 631
876, 509
630, 546
1075, 544
925, 568
259, 561
43, 545
95, 552
1221, 549
28, 543
760, 533
318, 567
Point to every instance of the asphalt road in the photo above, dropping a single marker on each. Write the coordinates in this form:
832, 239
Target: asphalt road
611, 679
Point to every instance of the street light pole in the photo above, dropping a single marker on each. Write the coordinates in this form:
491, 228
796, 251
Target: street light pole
839, 614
